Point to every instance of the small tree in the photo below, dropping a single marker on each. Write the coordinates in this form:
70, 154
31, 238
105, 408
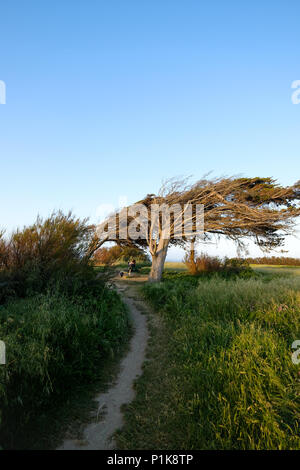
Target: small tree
128, 253
237, 208
108, 256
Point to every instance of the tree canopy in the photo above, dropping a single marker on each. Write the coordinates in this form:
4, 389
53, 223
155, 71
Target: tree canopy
237, 208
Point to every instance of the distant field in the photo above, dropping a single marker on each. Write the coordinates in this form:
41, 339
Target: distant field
265, 268
173, 265
181, 267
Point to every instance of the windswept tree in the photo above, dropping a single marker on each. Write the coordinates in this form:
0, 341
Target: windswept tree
236, 208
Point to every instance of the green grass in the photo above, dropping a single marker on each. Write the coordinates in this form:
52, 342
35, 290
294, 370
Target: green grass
220, 374
265, 268
273, 269
175, 266
54, 344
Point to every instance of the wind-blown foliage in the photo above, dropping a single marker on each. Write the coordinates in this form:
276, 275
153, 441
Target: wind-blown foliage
50, 250
236, 208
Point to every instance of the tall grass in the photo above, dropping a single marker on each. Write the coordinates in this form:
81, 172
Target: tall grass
58, 319
53, 343
233, 383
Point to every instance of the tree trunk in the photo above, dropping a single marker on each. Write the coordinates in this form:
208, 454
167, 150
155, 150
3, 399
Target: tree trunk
192, 260
192, 252
158, 262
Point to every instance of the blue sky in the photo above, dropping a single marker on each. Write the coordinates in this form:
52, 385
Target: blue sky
108, 98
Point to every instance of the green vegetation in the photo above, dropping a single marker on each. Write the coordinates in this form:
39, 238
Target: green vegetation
172, 265
53, 344
49, 252
117, 254
219, 374
279, 270
272, 270
229, 267
58, 319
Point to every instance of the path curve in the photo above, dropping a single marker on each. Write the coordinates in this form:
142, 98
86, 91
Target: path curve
98, 435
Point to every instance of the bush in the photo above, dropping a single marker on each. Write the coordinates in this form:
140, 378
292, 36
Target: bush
51, 250
205, 264
237, 267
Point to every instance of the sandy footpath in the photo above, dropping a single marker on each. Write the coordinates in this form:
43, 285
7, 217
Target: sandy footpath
98, 434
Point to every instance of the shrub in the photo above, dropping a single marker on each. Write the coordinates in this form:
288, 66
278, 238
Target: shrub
239, 267
51, 250
203, 263
212, 264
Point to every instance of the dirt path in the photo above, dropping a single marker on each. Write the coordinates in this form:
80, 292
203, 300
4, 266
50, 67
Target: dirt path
98, 435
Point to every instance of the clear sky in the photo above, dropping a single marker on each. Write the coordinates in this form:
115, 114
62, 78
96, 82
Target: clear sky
108, 98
